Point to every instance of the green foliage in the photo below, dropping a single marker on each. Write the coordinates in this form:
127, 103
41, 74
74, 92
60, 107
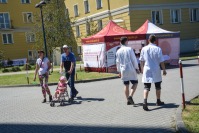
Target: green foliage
93, 28
196, 45
29, 67
5, 70
15, 69
191, 116
57, 27
1, 59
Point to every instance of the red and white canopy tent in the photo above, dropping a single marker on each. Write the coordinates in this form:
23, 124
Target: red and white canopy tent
99, 50
169, 41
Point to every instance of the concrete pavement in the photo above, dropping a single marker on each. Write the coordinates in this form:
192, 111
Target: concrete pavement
100, 107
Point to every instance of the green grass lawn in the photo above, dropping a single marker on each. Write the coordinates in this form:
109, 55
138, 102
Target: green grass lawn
191, 116
188, 57
20, 79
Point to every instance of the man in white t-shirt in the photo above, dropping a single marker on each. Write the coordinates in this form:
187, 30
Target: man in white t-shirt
151, 58
127, 67
42, 69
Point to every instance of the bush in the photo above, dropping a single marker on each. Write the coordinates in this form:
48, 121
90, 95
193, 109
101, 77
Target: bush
15, 69
28, 67
33, 67
5, 70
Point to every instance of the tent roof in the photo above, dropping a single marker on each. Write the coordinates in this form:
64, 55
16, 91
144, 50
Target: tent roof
110, 30
113, 29
150, 28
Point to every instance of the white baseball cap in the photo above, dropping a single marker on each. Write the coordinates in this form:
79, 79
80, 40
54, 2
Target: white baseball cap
65, 46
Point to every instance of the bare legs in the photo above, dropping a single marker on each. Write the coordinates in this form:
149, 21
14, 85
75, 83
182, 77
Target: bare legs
158, 92
132, 91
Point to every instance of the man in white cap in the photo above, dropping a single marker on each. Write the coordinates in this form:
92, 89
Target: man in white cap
68, 63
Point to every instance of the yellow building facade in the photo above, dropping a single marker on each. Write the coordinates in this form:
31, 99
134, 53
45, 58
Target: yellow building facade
173, 15
16, 22
17, 17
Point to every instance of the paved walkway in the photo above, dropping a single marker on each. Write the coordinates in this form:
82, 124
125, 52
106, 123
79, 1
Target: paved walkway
100, 108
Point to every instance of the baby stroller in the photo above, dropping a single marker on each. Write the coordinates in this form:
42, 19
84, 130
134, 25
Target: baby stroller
63, 93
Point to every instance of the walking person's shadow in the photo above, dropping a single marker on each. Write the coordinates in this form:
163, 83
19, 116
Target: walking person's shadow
166, 105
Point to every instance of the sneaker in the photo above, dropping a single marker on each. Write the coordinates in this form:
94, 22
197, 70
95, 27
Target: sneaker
130, 101
70, 100
50, 98
145, 107
44, 100
76, 93
159, 103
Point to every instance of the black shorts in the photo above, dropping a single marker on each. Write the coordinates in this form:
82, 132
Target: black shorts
147, 86
132, 82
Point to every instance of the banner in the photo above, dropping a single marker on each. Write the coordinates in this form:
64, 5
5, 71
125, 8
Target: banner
94, 55
170, 49
111, 49
16, 62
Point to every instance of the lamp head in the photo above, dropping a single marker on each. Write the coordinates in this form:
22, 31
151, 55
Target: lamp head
40, 4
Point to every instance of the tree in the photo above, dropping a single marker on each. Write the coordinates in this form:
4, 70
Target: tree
196, 45
1, 59
93, 27
57, 27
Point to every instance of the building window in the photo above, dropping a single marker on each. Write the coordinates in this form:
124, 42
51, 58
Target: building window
30, 37
86, 6
3, 1
156, 17
77, 31
175, 16
25, 1
76, 10
194, 15
32, 55
99, 4
100, 25
88, 30
7, 38
28, 17
4, 20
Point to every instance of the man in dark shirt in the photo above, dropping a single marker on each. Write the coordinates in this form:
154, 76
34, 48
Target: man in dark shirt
68, 62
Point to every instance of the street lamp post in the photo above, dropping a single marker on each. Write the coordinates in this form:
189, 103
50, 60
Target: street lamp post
40, 5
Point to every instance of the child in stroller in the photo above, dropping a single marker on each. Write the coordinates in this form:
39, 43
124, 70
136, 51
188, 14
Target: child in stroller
61, 92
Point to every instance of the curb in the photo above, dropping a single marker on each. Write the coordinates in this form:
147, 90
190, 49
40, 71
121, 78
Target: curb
180, 127
50, 84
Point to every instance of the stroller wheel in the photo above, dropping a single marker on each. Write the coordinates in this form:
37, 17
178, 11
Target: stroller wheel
52, 104
70, 100
62, 103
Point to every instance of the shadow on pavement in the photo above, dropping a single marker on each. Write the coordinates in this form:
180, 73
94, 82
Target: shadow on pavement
77, 100
166, 105
44, 128
90, 99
